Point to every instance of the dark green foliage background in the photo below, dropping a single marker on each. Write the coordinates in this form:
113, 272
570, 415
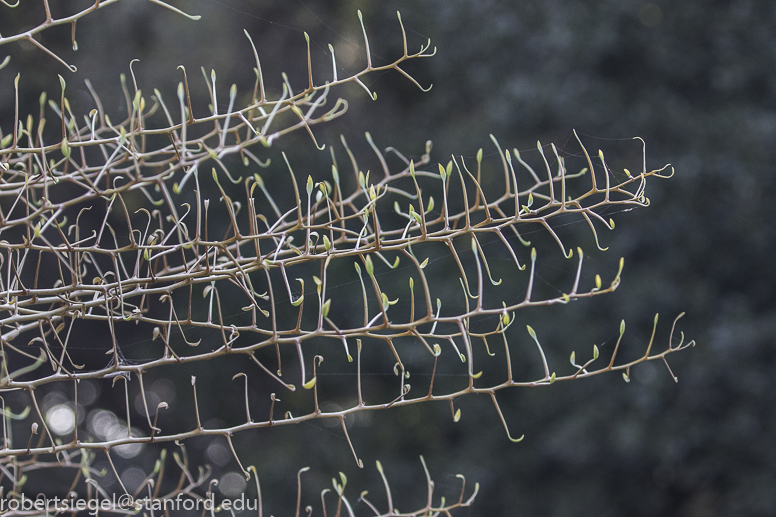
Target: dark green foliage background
696, 82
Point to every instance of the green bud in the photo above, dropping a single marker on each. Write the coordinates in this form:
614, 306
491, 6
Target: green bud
442, 172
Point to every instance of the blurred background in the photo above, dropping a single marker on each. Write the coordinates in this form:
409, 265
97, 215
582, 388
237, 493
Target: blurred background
695, 79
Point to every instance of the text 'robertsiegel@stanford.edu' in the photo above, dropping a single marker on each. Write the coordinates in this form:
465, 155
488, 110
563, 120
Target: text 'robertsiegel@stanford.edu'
24, 503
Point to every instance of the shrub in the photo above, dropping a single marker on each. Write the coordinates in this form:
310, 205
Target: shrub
152, 256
